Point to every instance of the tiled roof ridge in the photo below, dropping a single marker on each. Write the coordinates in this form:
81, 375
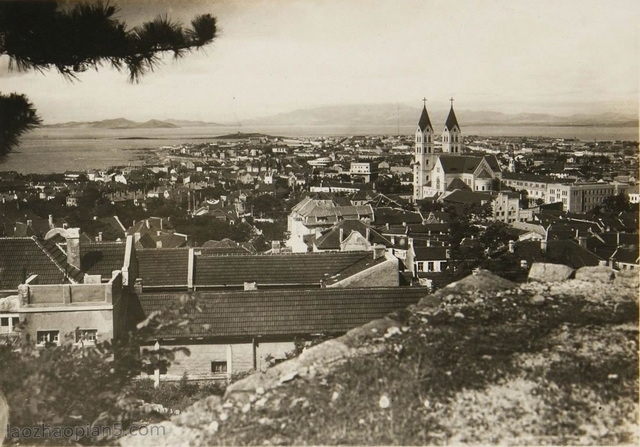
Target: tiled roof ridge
368, 256
278, 292
67, 274
22, 238
330, 253
165, 249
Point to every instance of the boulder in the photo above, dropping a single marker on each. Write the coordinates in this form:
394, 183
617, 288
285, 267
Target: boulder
547, 272
599, 273
481, 281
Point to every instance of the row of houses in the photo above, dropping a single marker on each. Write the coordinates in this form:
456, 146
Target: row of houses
252, 308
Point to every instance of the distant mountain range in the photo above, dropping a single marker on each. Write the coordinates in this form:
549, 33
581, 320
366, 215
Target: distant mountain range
122, 123
377, 115
393, 114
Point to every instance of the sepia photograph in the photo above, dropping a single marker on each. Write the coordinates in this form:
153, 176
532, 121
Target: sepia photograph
319, 222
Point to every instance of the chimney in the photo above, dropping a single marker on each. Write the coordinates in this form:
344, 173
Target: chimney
29, 223
250, 285
275, 247
378, 251
368, 234
50, 221
512, 246
73, 246
99, 236
136, 236
158, 244
543, 245
341, 234
582, 241
137, 286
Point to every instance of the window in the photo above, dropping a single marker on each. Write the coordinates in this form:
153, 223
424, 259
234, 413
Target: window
44, 338
430, 266
8, 323
87, 336
219, 367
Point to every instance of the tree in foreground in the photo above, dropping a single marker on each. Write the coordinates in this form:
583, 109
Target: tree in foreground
40, 35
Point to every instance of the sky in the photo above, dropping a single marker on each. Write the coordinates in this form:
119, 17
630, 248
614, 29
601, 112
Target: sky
275, 56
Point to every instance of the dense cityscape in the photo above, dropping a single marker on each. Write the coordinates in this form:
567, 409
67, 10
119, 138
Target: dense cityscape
356, 285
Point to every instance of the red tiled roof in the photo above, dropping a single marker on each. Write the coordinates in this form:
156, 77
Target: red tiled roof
457, 183
430, 253
459, 163
163, 266
460, 196
627, 255
330, 240
284, 312
23, 257
384, 215
564, 252
283, 269
102, 258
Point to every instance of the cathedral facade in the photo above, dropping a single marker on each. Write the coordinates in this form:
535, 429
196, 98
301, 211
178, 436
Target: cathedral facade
436, 171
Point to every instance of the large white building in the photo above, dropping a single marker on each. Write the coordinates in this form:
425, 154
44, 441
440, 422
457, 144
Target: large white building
576, 197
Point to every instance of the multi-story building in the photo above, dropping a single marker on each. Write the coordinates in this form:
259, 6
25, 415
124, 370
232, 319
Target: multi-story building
535, 185
576, 197
580, 197
368, 171
312, 215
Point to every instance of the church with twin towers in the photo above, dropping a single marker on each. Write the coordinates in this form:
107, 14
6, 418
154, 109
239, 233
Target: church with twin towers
437, 170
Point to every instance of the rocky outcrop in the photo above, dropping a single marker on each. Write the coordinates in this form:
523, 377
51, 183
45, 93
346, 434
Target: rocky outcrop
481, 361
546, 272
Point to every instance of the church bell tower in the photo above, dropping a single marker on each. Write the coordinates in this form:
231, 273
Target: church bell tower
451, 133
423, 153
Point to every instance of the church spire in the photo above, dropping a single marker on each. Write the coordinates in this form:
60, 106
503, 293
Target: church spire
451, 138
452, 121
424, 121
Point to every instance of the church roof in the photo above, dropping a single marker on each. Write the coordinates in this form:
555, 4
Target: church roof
452, 164
424, 121
452, 121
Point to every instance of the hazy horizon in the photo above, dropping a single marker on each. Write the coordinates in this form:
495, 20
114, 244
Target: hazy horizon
438, 114
276, 56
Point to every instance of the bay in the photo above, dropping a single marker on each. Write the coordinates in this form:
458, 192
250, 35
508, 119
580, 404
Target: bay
51, 150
